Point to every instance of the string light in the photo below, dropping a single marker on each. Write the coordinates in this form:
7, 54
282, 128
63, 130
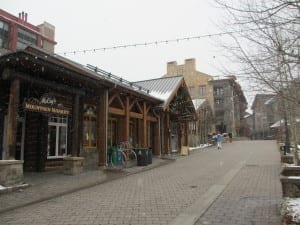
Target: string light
145, 44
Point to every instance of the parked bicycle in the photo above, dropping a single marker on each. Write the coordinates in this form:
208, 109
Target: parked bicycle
122, 156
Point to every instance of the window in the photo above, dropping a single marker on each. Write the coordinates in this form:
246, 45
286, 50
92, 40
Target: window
89, 127
4, 32
192, 91
202, 90
25, 38
219, 102
218, 91
57, 136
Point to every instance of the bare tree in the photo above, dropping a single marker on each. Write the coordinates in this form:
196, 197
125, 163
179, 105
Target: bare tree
264, 43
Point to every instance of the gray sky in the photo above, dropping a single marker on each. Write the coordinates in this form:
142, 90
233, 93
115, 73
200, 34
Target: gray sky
94, 24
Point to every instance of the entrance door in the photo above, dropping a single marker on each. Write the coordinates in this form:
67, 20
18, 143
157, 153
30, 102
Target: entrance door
57, 137
174, 136
19, 155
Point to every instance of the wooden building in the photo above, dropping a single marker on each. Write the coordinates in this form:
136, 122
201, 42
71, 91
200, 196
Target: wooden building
51, 107
174, 113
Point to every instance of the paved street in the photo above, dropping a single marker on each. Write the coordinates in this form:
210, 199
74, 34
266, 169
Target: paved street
236, 185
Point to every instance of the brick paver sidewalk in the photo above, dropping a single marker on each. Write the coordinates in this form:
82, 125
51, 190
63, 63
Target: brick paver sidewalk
253, 196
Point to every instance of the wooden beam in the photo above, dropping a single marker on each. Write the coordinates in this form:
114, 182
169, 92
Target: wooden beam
152, 118
116, 111
136, 115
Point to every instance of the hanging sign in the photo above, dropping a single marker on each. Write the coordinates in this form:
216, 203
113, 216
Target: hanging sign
46, 104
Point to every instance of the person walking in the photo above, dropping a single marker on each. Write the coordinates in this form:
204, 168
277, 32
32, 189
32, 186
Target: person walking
230, 137
219, 140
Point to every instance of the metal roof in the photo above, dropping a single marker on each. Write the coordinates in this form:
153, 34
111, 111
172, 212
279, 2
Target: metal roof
162, 88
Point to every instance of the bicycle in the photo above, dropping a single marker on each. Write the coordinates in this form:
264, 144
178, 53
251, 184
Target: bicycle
122, 156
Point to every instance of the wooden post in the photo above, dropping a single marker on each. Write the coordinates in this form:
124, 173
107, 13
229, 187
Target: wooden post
144, 126
75, 132
102, 117
156, 139
13, 104
179, 137
186, 132
167, 140
127, 119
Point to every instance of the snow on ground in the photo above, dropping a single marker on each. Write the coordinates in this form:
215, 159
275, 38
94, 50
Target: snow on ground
293, 208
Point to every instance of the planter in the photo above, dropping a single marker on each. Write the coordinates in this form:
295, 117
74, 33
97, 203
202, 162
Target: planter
290, 181
287, 159
73, 165
11, 172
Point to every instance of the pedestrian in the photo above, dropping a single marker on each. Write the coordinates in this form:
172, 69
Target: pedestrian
219, 140
230, 137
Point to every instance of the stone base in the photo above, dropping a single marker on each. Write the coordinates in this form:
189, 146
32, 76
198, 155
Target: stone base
11, 172
73, 165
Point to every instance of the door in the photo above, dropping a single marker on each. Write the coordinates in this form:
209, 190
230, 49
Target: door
57, 137
19, 154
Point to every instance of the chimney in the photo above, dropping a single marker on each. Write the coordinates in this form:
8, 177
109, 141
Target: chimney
190, 64
19, 15
26, 15
22, 15
171, 68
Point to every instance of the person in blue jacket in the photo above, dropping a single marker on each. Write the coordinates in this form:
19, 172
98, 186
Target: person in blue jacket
219, 139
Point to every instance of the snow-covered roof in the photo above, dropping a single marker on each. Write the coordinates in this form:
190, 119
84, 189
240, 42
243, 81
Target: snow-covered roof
281, 122
198, 102
161, 88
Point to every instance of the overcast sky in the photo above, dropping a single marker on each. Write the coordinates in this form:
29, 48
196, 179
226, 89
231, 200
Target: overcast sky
94, 24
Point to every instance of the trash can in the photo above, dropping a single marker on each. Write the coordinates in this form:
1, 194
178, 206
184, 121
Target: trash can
150, 156
142, 156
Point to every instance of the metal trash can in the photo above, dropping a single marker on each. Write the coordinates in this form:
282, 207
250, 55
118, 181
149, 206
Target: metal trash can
142, 156
150, 156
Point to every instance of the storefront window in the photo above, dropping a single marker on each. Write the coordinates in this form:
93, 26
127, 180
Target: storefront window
89, 127
57, 136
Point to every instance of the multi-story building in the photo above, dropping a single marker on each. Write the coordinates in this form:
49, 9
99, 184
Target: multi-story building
230, 106
16, 33
266, 112
197, 82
